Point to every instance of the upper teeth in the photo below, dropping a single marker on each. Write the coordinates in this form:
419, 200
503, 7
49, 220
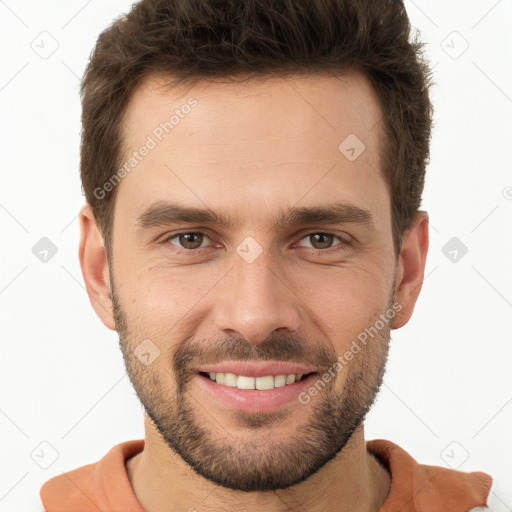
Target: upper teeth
244, 382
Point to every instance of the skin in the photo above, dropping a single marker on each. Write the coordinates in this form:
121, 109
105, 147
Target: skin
252, 150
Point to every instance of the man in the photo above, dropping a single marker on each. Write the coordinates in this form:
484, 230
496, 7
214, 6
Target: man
253, 173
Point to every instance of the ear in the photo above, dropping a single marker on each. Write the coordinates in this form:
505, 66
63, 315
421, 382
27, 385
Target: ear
94, 263
411, 268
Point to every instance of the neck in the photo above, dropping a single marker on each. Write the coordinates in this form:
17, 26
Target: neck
352, 481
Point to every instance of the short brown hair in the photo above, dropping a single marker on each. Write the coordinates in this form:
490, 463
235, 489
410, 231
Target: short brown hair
207, 39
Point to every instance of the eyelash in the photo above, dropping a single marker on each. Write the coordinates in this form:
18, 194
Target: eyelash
194, 252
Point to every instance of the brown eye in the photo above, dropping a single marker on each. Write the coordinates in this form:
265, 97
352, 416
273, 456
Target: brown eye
188, 241
323, 241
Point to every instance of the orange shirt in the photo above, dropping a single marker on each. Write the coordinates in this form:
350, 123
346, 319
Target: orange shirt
104, 486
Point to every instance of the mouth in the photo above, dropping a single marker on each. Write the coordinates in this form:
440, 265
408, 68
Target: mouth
262, 383
255, 388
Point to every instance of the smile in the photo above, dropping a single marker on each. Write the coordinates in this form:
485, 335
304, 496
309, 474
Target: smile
262, 383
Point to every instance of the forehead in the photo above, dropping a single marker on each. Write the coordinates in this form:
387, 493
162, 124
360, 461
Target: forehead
254, 143
296, 106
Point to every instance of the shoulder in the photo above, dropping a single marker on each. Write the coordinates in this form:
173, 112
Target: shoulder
94, 487
73, 490
429, 487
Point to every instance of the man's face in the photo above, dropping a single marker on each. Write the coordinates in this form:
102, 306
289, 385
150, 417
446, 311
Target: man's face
255, 290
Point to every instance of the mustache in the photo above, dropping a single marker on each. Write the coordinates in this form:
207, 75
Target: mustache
285, 348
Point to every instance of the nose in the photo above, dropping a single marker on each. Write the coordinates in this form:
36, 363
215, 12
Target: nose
256, 299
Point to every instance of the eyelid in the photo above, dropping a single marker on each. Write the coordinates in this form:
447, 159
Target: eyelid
341, 234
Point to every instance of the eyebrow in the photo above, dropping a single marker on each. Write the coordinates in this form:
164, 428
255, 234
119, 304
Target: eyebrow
163, 213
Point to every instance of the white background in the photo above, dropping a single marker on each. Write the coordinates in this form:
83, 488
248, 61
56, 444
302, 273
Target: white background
62, 375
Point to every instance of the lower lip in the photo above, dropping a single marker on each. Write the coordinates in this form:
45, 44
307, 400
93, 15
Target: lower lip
255, 400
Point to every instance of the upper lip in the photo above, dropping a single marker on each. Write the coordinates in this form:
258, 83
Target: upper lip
259, 369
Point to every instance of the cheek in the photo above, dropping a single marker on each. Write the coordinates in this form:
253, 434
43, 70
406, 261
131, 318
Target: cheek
346, 300
162, 303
